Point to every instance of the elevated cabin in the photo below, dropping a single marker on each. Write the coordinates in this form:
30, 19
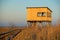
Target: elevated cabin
38, 14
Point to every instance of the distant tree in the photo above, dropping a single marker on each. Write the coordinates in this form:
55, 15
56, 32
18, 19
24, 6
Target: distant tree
12, 25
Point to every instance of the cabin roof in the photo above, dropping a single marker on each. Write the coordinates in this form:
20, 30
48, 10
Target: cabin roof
39, 7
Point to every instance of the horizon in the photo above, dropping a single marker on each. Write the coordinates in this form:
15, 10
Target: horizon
14, 11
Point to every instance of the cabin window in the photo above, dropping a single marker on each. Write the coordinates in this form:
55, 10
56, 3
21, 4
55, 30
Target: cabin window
41, 14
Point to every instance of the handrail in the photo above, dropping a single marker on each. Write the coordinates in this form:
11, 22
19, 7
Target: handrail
13, 33
6, 32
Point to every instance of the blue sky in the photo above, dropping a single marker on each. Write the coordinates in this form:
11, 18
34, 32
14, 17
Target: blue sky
14, 11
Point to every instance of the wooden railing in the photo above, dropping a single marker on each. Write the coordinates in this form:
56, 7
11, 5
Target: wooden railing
9, 35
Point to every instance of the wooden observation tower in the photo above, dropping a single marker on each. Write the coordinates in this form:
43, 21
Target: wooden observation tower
38, 15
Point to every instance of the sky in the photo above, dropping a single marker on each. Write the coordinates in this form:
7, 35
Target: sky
14, 11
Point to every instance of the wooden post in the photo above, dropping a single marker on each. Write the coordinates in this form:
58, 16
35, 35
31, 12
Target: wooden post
47, 24
28, 24
40, 24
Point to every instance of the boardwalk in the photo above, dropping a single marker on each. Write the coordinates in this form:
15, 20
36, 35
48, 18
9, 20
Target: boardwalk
10, 34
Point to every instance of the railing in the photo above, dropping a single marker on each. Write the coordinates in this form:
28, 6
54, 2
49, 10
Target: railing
9, 35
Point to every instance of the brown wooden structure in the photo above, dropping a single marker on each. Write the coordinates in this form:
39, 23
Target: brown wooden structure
38, 16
